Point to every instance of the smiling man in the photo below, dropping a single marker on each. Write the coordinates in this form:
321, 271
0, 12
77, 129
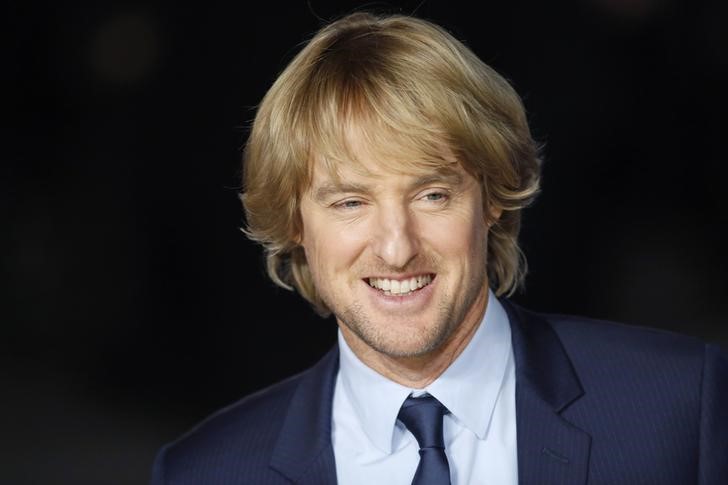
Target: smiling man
385, 176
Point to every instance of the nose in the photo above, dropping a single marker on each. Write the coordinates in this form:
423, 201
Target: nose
395, 239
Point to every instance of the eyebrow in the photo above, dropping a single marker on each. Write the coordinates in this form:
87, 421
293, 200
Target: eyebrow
449, 177
327, 190
330, 189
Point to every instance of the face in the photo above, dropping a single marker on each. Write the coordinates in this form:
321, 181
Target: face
399, 259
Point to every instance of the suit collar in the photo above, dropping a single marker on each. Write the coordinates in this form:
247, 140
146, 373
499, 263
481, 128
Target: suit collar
550, 449
303, 452
541, 361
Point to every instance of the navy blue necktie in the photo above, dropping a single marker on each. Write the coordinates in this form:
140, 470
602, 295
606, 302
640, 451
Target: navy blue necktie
423, 417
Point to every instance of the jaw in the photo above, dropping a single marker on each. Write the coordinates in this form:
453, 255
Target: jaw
412, 338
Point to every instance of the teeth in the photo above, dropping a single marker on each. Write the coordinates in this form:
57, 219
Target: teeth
397, 287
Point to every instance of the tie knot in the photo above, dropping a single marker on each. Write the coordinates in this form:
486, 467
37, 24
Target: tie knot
423, 417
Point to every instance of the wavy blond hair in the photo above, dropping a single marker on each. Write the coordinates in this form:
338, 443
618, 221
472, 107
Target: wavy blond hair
409, 87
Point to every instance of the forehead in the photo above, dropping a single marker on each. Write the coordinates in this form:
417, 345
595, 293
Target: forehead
366, 153
379, 174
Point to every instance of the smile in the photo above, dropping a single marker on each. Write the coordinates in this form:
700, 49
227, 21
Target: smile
392, 287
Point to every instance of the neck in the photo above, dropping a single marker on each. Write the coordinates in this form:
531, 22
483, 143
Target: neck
419, 371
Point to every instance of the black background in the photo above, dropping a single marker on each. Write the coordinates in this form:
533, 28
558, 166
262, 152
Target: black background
133, 305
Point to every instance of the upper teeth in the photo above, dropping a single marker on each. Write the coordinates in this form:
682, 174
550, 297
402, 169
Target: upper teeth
399, 287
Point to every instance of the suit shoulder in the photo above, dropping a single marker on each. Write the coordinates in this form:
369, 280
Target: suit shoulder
589, 332
242, 434
255, 411
610, 352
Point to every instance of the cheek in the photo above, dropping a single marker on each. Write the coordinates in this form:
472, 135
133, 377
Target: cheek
460, 236
331, 248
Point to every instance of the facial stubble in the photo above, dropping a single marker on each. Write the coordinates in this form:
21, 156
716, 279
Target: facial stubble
389, 341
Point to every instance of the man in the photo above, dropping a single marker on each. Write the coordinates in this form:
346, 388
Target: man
384, 175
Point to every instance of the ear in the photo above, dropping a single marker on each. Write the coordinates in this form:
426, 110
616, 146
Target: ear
494, 214
297, 237
296, 231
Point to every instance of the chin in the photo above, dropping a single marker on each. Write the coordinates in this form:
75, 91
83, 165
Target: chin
408, 341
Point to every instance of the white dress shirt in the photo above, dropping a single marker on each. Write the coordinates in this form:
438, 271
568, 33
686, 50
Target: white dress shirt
479, 389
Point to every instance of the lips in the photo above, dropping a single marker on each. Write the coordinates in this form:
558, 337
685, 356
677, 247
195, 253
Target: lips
400, 287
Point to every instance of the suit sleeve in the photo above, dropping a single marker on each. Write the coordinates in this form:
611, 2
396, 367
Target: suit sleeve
713, 451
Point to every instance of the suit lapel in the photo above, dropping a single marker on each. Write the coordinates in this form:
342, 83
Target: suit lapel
550, 449
303, 452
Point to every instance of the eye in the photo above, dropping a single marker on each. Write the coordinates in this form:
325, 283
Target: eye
348, 204
437, 196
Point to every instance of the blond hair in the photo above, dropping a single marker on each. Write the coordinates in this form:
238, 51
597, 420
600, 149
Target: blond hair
410, 87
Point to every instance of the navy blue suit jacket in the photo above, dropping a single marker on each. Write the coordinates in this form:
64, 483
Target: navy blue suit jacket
596, 403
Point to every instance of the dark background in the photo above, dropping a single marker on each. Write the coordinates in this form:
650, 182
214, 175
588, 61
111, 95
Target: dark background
133, 306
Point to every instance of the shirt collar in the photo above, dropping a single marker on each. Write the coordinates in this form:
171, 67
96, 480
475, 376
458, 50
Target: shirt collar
468, 388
